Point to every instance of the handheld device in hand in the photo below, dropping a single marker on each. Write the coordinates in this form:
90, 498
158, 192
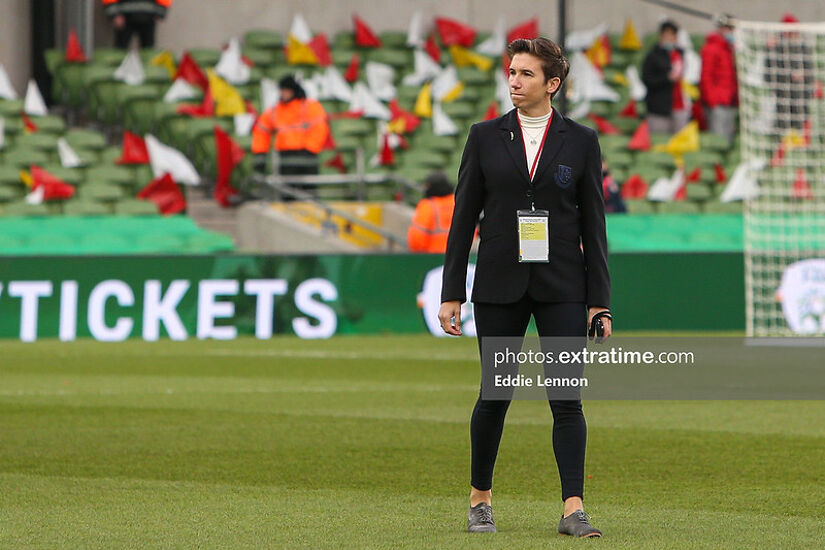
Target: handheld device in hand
597, 326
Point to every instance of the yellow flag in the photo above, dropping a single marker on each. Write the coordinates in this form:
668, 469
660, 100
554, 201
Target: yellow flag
397, 126
228, 101
299, 53
630, 40
165, 59
462, 57
453, 94
620, 79
597, 54
424, 102
684, 141
792, 140
26, 178
690, 90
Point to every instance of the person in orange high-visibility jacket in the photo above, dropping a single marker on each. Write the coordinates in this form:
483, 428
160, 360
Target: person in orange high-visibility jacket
433, 214
135, 17
300, 130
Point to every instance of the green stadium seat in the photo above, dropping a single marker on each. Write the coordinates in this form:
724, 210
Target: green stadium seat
108, 57
72, 176
49, 124
148, 54
263, 39
102, 192
9, 175
205, 57
122, 176
657, 158
717, 207
393, 39
10, 107
37, 141
472, 76
699, 192
23, 158
23, 209
342, 57
396, 58
459, 110
83, 207
136, 207
423, 159
431, 142
344, 40
261, 58
82, 138
351, 127
9, 193
679, 207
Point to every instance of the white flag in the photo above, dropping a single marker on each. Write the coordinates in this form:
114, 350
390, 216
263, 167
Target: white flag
379, 80
68, 158
131, 69
445, 82
6, 89
244, 123
425, 69
580, 111
664, 189
505, 102
37, 195
415, 32
180, 89
693, 67
34, 104
335, 87
165, 159
495, 45
588, 83
638, 90
300, 29
230, 66
270, 94
442, 124
582, 40
310, 85
363, 100
742, 184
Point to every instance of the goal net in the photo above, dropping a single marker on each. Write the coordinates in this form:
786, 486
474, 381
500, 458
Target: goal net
781, 70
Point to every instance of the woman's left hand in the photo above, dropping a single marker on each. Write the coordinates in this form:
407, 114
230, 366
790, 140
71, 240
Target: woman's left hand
607, 322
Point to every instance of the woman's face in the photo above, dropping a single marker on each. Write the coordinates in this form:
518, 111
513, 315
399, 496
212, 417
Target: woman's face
527, 85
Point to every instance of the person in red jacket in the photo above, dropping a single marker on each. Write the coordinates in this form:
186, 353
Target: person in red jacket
135, 17
718, 81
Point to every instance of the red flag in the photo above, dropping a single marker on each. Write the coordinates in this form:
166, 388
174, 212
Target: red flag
640, 141
505, 64
351, 74
720, 173
345, 114
411, 121
28, 126
134, 150
74, 51
806, 132
364, 36
635, 187
801, 187
603, 126
330, 144
206, 107
53, 187
250, 108
452, 32
695, 175
492, 111
778, 157
819, 90
630, 110
189, 70
431, 47
165, 193
528, 29
320, 46
337, 162
387, 156
681, 193
229, 154
697, 112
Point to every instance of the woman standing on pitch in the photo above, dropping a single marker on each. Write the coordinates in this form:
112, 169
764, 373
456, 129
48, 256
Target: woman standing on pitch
531, 167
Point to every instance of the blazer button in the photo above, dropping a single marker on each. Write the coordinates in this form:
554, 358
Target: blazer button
529, 194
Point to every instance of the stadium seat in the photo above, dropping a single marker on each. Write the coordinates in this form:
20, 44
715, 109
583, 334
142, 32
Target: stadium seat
263, 39
21, 208
135, 207
83, 207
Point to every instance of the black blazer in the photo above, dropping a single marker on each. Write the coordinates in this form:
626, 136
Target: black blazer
493, 177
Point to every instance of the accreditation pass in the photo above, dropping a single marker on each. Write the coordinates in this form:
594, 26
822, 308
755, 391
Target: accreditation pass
533, 236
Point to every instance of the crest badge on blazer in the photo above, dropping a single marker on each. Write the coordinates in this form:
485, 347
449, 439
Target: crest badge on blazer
564, 176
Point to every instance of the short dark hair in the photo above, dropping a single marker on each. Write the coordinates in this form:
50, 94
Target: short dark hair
437, 185
668, 25
553, 62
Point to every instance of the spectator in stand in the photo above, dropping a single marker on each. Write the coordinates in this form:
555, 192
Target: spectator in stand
613, 202
300, 129
789, 72
433, 215
662, 72
718, 82
135, 17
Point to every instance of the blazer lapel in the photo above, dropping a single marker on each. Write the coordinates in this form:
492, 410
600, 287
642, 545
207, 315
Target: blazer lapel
511, 134
555, 141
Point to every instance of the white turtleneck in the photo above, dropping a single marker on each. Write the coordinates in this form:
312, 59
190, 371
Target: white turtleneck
532, 130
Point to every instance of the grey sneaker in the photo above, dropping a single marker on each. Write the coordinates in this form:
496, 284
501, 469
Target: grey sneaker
480, 519
578, 525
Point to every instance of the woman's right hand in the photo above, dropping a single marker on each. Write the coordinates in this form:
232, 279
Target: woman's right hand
450, 317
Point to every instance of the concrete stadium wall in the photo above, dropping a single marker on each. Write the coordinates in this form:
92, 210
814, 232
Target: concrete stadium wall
15, 41
208, 23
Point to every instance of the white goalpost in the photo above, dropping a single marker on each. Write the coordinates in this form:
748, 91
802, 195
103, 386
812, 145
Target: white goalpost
781, 72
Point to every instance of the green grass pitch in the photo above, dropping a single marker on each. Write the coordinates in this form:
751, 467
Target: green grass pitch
362, 442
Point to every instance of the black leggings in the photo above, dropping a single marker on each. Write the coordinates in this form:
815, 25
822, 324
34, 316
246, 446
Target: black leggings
569, 427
